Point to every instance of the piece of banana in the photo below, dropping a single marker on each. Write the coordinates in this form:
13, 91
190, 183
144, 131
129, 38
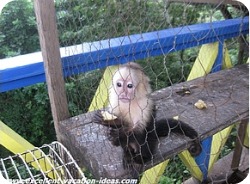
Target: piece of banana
176, 117
200, 104
107, 116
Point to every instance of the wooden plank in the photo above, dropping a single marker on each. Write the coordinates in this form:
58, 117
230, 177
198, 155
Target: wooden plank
46, 21
225, 95
239, 144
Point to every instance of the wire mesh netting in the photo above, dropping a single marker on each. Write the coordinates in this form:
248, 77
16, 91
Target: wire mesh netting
85, 23
47, 164
167, 39
93, 26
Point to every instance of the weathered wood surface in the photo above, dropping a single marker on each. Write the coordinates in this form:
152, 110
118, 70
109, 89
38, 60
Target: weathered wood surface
46, 22
225, 93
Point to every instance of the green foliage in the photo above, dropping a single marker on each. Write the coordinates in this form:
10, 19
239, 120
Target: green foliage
183, 13
87, 20
175, 67
22, 169
27, 111
18, 32
81, 90
175, 173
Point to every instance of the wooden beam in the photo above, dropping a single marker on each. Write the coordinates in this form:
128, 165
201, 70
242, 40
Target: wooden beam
46, 21
239, 144
13, 141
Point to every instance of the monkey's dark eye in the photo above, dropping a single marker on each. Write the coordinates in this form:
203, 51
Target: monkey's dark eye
130, 85
119, 84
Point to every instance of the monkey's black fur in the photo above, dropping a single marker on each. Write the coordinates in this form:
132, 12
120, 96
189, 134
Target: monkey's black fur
139, 146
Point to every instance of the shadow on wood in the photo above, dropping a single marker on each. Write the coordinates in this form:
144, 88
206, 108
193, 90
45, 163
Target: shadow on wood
225, 94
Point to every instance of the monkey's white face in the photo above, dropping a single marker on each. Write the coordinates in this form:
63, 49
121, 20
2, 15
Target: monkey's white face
125, 90
124, 84
128, 97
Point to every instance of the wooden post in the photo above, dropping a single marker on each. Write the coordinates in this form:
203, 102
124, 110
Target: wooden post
46, 22
239, 144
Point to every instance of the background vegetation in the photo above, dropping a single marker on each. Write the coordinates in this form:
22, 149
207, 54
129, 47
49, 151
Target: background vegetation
27, 110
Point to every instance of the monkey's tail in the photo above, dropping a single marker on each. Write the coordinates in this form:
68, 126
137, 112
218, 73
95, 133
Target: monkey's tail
164, 127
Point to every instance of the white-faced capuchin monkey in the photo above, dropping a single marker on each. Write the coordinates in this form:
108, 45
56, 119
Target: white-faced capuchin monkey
133, 126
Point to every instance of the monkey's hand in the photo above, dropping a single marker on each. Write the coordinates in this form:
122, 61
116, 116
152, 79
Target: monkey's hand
114, 137
103, 115
97, 117
105, 118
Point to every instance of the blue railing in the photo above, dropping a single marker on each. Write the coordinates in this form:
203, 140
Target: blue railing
28, 69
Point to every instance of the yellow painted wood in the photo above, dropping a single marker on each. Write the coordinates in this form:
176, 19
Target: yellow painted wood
246, 139
205, 61
12, 141
153, 175
190, 163
227, 63
219, 140
17, 144
100, 99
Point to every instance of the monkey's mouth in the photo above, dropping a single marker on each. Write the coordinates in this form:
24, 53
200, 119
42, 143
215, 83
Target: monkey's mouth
124, 100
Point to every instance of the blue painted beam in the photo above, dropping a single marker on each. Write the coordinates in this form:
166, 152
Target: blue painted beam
90, 56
